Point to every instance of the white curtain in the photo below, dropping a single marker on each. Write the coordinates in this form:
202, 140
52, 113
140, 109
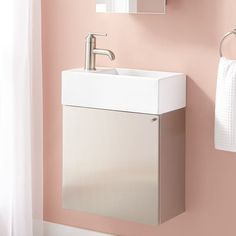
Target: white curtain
20, 118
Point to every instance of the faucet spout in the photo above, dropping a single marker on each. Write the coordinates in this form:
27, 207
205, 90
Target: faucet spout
91, 51
105, 52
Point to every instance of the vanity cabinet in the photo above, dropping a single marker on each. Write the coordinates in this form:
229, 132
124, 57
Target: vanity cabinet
124, 165
124, 143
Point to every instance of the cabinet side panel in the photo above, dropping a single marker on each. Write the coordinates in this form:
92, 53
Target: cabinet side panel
172, 164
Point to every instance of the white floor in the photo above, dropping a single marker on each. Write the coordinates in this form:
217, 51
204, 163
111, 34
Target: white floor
51, 229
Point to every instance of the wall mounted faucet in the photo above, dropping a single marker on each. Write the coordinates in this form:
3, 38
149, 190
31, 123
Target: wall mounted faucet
91, 51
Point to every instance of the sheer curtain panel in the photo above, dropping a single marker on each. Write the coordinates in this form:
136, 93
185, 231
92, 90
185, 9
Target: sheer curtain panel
20, 118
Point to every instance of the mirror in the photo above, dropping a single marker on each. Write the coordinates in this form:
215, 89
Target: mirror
131, 6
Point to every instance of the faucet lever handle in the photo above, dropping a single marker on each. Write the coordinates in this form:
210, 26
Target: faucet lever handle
97, 34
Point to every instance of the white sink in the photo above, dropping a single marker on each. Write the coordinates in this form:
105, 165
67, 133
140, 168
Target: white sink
150, 92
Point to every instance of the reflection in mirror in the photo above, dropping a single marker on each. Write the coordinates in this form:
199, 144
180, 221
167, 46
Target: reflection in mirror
131, 6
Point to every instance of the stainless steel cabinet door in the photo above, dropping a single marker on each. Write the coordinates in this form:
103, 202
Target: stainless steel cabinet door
110, 163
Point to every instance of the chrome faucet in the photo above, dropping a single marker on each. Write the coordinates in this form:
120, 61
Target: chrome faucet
91, 51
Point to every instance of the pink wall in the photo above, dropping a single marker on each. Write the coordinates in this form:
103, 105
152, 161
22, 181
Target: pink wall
185, 40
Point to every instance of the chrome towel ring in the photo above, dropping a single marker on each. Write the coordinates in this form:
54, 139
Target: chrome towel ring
225, 36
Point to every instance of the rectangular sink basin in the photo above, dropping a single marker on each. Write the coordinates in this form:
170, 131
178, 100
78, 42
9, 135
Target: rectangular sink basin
130, 90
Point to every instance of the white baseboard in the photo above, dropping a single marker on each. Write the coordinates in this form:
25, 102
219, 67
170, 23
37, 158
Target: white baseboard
51, 229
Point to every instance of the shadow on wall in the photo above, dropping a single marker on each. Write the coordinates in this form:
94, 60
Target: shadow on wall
201, 17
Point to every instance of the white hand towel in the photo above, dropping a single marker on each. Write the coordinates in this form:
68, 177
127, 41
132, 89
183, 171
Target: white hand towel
225, 108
